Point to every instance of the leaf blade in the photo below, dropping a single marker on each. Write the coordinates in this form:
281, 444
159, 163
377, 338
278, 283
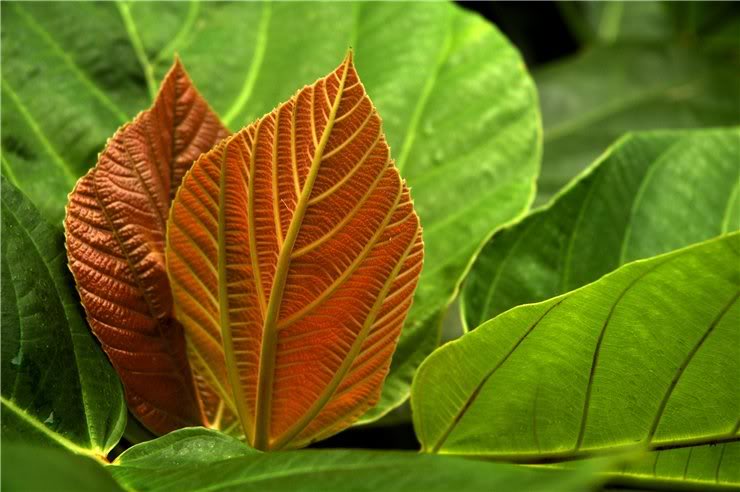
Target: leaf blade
57, 387
208, 461
652, 294
310, 188
586, 106
115, 229
631, 204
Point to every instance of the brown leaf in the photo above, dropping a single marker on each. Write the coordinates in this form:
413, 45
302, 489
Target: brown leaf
115, 234
294, 251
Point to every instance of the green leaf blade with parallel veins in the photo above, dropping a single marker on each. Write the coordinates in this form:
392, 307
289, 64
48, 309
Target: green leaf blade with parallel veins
650, 193
58, 388
199, 460
646, 356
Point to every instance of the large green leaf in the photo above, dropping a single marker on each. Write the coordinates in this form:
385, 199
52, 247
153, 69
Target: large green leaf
36, 469
592, 99
58, 389
460, 111
650, 193
195, 460
647, 356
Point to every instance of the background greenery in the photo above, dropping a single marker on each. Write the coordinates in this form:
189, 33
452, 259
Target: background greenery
609, 93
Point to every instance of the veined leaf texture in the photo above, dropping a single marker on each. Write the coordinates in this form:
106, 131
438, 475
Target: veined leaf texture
293, 253
115, 233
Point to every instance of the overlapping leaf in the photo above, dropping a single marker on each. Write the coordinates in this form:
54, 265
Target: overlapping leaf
115, 229
647, 355
633, 203
58, 390
707, 467
293, 252
200, 460
587, 104
460, 110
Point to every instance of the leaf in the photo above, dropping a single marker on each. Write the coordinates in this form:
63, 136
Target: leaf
587, 103
648, 194
293, 252
684, 22
329, 470
460, 111
644, 356
708, 467
188, 446
68, 81
57, 387
32, 468
115, 232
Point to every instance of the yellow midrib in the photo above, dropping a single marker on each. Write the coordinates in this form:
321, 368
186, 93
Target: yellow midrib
269, 332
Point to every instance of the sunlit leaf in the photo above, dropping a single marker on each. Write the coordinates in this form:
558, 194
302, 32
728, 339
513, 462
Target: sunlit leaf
645, 356
115, 231
293, 252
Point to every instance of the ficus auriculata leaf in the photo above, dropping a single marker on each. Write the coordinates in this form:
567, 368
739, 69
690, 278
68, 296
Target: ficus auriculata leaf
294, 251
115, 232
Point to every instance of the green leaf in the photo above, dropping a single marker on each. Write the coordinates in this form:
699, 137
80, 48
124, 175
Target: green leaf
58, 389
646, 356
33, 468
460, 111
195, 460
608, 22
188, 446
685, 22
650, 193
708, 467
592, 99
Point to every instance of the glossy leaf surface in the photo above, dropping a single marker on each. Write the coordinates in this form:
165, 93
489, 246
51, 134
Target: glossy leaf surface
58, 389
189, 446
294, 251
115, 232
647, 355
650, 193
143, 468
587, 103
459, 109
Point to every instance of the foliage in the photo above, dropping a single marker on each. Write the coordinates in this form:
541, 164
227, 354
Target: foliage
271, 300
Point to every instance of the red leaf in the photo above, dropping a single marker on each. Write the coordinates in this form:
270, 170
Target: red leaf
115, 233
294, 251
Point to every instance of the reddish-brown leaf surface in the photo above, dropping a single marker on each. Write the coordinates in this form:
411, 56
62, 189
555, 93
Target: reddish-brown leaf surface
115, 233
294, 251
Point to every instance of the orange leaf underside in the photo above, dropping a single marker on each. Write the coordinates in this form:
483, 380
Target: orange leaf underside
115, 236
293, 252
